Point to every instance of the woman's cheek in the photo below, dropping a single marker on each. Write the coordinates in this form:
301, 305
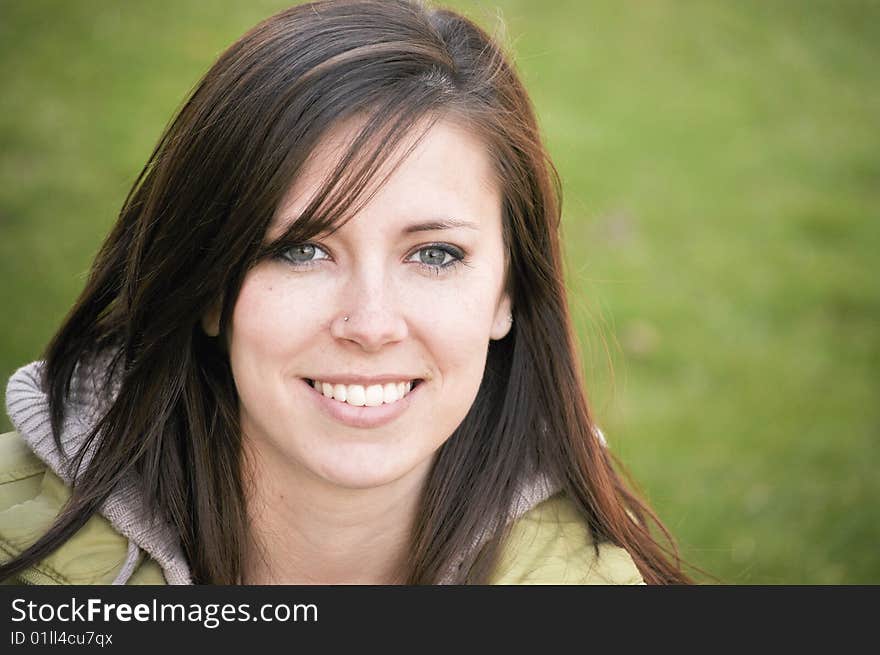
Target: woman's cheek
269, 313
468, 310
456, 329
441, 324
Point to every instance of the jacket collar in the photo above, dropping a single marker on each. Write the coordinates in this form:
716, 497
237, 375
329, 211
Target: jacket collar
27, 404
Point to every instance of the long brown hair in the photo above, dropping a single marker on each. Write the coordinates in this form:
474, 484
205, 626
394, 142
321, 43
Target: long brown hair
194, 223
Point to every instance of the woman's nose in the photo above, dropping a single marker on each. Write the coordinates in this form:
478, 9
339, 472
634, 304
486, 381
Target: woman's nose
369, 311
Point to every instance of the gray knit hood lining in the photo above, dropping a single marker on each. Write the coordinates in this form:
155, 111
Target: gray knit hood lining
28, 407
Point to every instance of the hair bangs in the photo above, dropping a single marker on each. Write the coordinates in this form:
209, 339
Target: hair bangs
387, 135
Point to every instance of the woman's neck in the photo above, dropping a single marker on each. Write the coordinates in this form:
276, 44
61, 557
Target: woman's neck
305, 530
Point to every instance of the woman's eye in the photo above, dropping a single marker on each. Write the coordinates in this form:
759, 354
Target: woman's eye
438, 256
303, 254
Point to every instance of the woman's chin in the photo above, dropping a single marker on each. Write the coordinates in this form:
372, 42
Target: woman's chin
363, 473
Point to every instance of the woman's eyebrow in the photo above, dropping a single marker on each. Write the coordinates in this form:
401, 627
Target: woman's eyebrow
444, 224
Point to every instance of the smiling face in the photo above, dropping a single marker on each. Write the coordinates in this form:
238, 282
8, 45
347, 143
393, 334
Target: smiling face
421, 304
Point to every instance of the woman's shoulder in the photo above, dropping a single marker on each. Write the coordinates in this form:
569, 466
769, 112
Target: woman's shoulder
551, 544
21, 471
31, 496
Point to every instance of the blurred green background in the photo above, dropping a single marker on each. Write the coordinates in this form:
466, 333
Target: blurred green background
721, 163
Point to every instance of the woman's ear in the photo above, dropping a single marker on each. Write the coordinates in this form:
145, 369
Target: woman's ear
503, 318
211, 319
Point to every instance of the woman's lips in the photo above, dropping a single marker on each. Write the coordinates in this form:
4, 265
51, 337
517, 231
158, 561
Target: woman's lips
362, 417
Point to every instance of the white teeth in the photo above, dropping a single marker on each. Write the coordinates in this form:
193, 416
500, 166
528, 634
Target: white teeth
356, 395
375, 395
371, 396
390, 394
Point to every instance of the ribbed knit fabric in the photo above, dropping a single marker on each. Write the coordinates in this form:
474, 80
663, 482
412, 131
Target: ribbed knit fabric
535, 492
28, 408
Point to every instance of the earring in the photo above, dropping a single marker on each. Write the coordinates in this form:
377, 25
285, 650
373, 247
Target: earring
510, 317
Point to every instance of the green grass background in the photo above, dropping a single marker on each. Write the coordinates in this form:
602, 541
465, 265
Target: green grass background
721, 163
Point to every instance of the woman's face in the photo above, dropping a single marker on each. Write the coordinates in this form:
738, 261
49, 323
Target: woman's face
422, 302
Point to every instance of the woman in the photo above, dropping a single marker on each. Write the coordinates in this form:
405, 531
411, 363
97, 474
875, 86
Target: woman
327, 340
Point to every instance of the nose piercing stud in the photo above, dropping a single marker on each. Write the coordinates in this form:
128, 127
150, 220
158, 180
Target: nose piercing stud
345, 319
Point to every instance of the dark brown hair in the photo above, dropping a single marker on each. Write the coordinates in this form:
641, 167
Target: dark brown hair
194, 223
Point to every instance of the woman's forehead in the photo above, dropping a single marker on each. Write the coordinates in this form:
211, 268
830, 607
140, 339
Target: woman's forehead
438, 171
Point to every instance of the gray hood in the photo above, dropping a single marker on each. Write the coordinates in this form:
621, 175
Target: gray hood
28, 408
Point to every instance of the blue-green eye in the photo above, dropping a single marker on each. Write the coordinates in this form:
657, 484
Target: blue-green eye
303, 254
435, 256
438, 258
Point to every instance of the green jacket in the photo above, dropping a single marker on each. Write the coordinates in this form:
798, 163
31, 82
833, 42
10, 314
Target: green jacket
549, 544
548, 541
